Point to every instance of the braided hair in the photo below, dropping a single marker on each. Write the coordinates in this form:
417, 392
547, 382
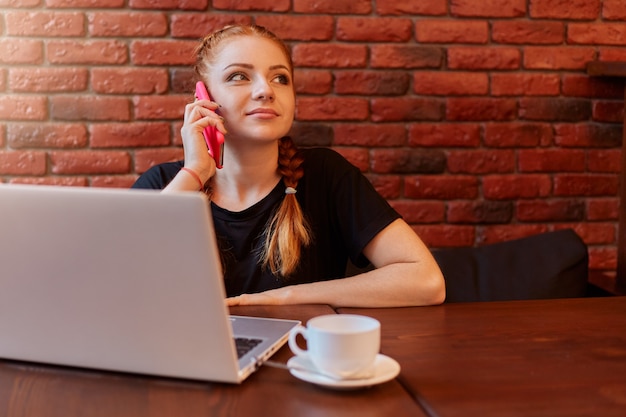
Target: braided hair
287, 231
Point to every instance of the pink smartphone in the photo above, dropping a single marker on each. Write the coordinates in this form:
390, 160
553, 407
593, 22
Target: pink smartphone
213, 137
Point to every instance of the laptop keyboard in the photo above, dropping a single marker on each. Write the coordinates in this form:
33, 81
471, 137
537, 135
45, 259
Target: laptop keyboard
245, 345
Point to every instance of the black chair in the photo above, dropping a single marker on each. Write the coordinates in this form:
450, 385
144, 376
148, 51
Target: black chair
546, 265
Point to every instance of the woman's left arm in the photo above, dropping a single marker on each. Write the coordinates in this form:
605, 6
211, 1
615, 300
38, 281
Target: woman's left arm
405, 274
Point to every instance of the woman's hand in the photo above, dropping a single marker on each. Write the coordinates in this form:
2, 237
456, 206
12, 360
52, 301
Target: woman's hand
270, 297
199, 115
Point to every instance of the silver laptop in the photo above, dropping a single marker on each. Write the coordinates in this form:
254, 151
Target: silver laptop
121, 280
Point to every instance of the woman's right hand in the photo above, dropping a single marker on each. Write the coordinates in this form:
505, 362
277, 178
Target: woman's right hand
199, 115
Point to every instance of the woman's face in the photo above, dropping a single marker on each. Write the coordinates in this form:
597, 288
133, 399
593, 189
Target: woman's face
251, 79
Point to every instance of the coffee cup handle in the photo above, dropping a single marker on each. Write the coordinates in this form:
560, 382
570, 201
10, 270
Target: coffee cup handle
292, 341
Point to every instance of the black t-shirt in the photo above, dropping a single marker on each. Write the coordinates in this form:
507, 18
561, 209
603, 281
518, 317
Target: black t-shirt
342, 207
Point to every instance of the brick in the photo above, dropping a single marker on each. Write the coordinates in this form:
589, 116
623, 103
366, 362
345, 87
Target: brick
21, 51
93, 4
163, 52
22, 162
19, 3
480, 109
484, 212
518, 135
585, 185
3, 77
328, 6
89, 162
565, 9
551, 160
602, 209
442, 236
554, 109
358, 157
388, 186
182, 80
451, 31
198, 25
370, 135
113, 181
48, 24
454, 135
576, 85
68, 107
46, 79
481, 161
124, 24
325, 55
527, 32
611, 54
86, 52
604, 160
371, 83
177, 125
597, 34
525, 84
407, 161
129, 80
502, 233
330, 108
406, 109
313, 81
308, 134
603, 258
614, 10
16, 107
46, 135
171, 4
557, 57
441, 187
374, 29
608, 111
405, 56
515, 186
147, 158
481, 58
403, 7
420, 212
301, 28
129, 135
56, 181
488, 8
587, 135
160, 107
250, 5
592, 233
454, 83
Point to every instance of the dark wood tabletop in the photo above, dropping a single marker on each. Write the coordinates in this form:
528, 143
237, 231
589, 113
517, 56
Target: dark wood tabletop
36, 390
519, 358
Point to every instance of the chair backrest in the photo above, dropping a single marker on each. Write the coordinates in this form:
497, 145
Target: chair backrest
546, 265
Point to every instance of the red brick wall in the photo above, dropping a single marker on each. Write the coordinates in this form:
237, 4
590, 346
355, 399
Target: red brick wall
475, 118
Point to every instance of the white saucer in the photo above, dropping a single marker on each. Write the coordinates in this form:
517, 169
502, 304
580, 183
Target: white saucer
385, 369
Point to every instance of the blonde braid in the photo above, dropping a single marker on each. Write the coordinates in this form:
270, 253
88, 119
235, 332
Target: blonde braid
288, 231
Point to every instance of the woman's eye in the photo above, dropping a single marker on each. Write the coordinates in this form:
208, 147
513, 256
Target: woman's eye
282, 79
237, 77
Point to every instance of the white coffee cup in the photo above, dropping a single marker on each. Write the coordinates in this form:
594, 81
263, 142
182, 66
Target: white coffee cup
338, 345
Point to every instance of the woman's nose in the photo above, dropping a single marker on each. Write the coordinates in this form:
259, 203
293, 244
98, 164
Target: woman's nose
263, 90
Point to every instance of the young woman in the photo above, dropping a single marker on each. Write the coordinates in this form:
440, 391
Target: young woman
288, 220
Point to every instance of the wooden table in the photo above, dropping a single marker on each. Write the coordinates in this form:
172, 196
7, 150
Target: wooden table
47, 391
519, 358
